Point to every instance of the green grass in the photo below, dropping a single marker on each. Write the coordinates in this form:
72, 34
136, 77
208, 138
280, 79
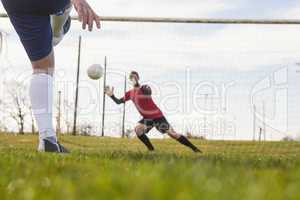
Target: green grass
105, 168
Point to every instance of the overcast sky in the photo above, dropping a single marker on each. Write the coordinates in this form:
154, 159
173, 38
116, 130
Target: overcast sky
237, 65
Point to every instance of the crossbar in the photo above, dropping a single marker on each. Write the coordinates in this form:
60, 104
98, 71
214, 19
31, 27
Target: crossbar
192, 20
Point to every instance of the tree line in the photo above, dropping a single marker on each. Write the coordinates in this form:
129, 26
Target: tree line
17, 116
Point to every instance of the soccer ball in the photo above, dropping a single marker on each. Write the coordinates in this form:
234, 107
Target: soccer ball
95, 71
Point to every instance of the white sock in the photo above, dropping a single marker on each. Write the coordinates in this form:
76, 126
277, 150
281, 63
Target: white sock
41, 95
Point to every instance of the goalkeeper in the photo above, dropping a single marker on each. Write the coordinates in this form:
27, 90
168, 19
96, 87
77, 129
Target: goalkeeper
152, 115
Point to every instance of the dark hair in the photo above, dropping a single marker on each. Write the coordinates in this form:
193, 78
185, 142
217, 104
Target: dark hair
135, 74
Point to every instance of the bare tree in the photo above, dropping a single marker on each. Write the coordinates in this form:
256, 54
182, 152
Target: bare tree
18, 105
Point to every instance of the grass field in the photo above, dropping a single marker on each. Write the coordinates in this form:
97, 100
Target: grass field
105, 168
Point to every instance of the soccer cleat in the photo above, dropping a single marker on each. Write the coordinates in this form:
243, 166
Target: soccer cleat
197, 150
61, 24
50, 147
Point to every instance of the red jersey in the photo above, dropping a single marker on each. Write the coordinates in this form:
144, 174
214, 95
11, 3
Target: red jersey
144, 104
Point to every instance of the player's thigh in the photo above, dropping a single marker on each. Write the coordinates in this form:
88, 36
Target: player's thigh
162, 125
140, 129
144, 126
35, 34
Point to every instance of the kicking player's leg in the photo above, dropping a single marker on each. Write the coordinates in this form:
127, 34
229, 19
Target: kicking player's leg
41, 95
141, 129
163, 126
36, 36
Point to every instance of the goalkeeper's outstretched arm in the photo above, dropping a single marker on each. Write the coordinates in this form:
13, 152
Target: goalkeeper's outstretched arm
116, 100
109, 91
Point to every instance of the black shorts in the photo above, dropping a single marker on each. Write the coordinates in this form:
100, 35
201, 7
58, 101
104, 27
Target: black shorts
31, 20
161, 124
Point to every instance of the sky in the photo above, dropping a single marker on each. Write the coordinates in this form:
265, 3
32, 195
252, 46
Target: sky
205, 78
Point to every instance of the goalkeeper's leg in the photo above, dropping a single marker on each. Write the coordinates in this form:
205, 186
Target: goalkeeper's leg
182, 140
141, 131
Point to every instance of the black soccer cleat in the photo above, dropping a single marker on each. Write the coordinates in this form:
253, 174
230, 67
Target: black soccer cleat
197, 150
54, 147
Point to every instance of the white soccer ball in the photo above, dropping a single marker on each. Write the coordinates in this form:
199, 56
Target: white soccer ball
95, 71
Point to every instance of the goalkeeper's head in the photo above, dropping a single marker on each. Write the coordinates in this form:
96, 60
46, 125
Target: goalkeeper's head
134, 78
